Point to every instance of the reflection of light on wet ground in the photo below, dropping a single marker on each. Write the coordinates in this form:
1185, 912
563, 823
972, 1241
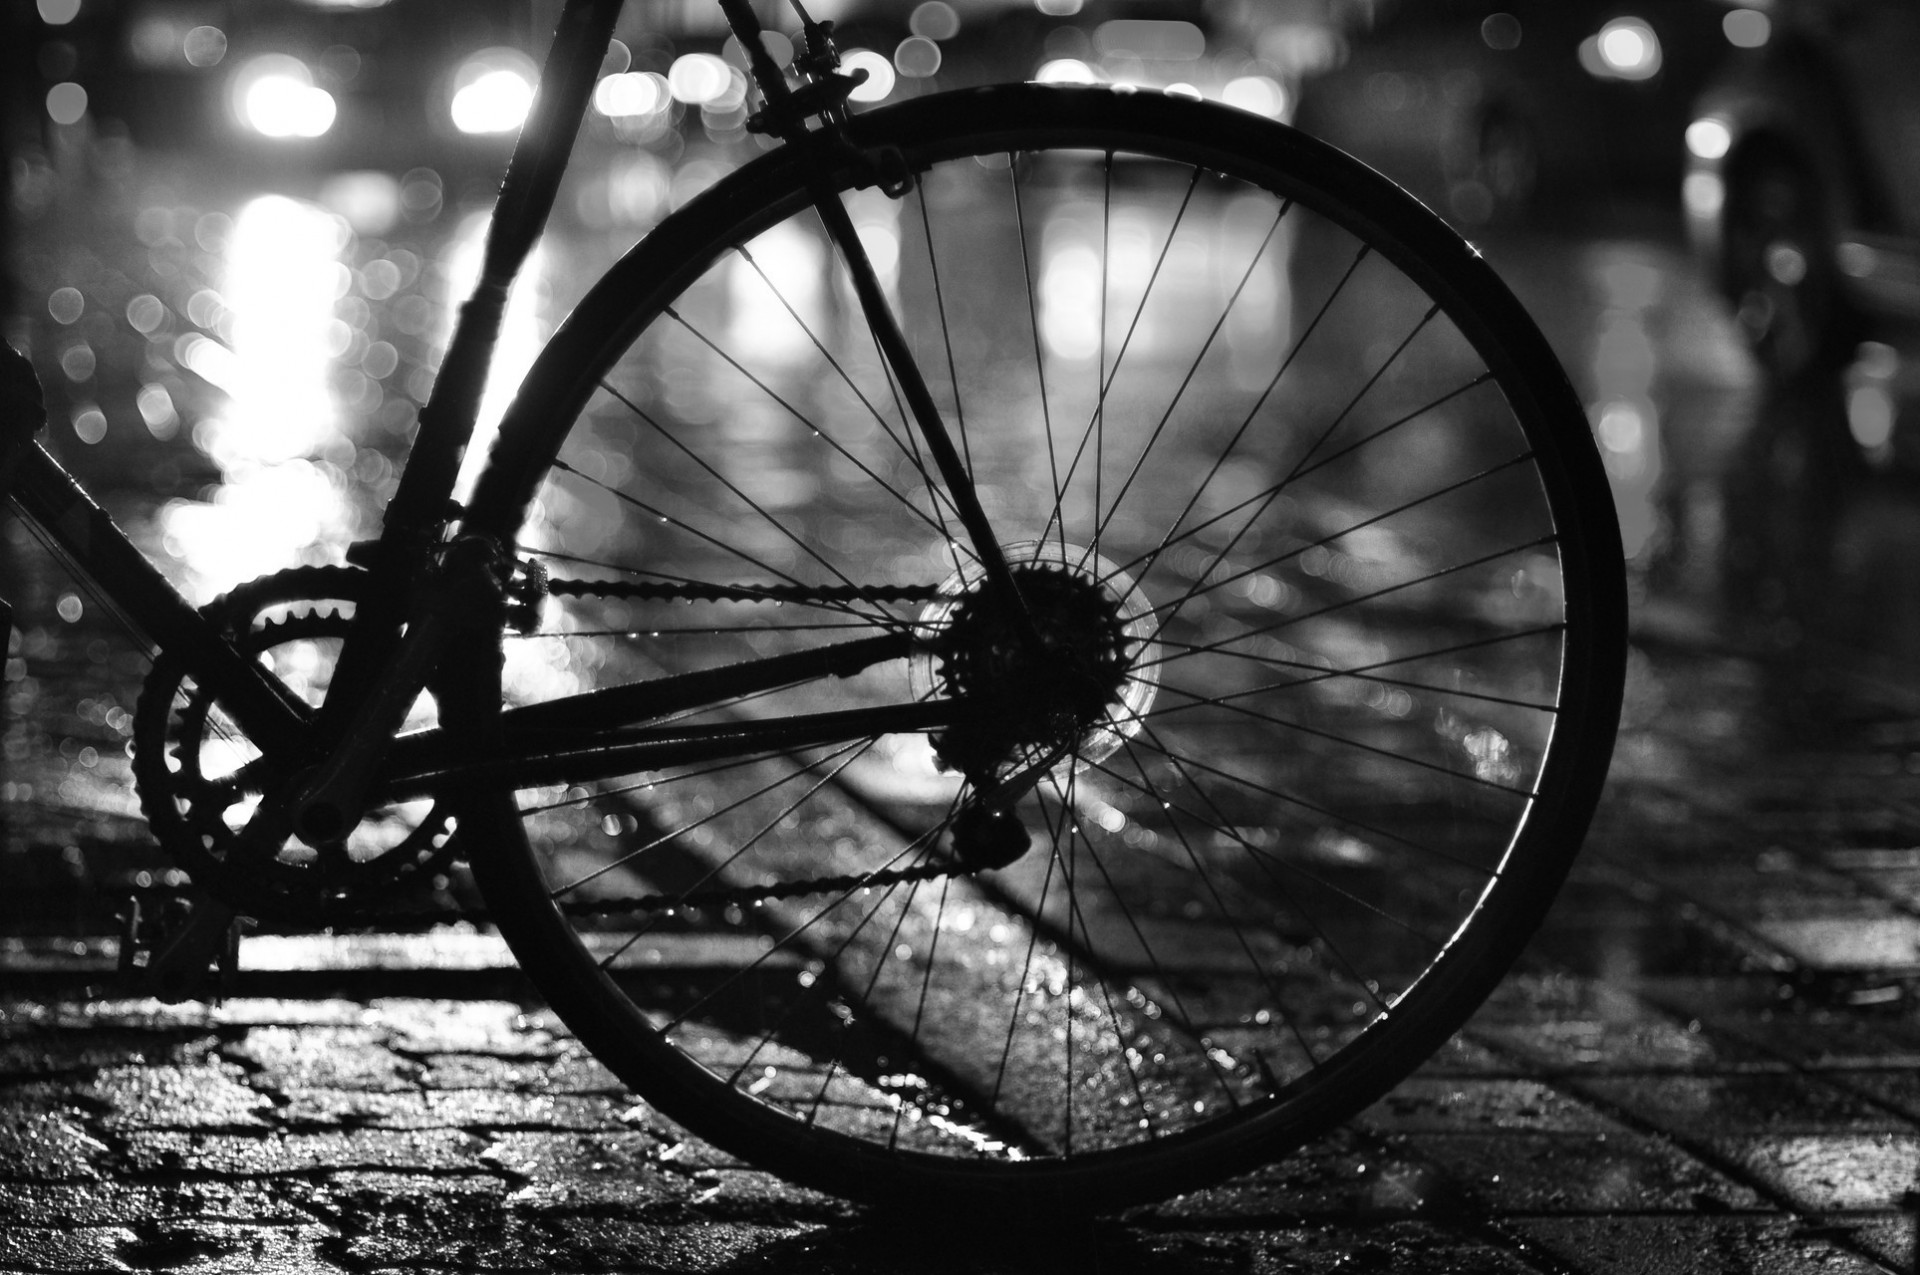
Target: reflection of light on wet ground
269, 339
1092, 265
1623, 409
1088, 269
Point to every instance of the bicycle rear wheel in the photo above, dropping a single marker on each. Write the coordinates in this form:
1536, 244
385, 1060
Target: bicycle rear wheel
1299, 718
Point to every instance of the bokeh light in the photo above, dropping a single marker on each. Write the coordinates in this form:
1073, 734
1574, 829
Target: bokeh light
493, 91
276, 97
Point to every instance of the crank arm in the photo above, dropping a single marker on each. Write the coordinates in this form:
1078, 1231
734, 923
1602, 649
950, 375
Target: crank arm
324, 801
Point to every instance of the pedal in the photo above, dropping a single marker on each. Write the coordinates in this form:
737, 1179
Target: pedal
180, 947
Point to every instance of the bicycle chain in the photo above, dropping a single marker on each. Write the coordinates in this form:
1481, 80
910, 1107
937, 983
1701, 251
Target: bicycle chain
781, 593
714, 899
748, 896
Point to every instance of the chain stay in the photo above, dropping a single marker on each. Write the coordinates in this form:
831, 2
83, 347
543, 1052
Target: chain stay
695, 592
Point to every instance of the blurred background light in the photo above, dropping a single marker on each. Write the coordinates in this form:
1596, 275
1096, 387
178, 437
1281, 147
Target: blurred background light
1709, 138
1260, 94
204, 46
493, 91
631, 94
880, 78
1747, 28
66, 103
699, 79
1066, 71
275, 96
934, 20
917, 56
1624, 49
1872, 403
1501, 31
1163, 40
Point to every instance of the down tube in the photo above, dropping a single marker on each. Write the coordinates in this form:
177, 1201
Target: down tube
87, 541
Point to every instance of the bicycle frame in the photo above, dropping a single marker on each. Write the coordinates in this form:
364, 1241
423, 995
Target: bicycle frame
394, 640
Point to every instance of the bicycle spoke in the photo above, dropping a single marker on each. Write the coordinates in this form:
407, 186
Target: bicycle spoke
911, 453
1193, 368
1054, 484
1385, 591
1085, 813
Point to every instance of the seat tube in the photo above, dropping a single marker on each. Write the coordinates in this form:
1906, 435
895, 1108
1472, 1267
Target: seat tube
526, 198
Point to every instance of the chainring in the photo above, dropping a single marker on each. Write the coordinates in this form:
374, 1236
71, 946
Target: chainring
198, 778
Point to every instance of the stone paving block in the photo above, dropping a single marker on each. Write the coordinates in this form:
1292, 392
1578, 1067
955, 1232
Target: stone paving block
332, 1056
569, 1070
1393, 1248
143, 1014
1712, 997
277, 1153
599, 1243
392, 1218
1598, 1173
1834, 1172
493, 1028
99, 1204
1894, 1238
402, 1222
1761, 1102
1764, 887
448, 1109
44, 1138
1464, 1056
1896, 1088
170, 1096
1824, 1038
217, 1248
264, 1011
1869, 938
1696, 1245
684, 1152
626, 1154
1643, 944
27, 1248
35, 1049
1429, 1104
1335, 1176
483, 1071
1605, 1044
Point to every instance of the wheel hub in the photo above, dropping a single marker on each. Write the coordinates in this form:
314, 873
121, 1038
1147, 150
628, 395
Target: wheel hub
1056, 678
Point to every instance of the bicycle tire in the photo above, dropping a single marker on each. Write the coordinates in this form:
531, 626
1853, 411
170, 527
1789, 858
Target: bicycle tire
1440, 600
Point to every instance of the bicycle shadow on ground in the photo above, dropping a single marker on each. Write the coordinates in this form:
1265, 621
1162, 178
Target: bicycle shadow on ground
994, 1245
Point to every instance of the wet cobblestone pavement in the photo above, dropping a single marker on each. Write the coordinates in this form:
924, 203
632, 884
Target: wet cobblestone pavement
1709, 1060
1707, 1063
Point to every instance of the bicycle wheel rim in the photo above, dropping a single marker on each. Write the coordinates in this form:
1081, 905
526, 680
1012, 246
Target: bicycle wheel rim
1483, 937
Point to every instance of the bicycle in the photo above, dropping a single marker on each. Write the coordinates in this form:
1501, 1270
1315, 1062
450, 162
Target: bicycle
1035, 647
